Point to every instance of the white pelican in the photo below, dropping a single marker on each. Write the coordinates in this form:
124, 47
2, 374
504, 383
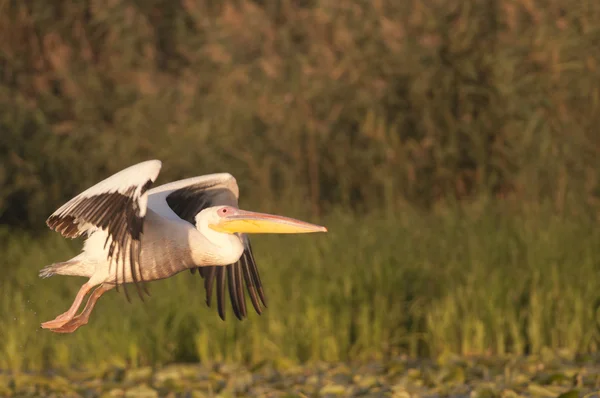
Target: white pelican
135, 235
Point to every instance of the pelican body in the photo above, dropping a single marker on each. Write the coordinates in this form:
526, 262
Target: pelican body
136, 234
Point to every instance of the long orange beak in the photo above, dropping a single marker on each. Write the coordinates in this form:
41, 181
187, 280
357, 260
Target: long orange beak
249, 222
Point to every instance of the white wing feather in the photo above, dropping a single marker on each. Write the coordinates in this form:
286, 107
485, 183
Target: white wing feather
115, 208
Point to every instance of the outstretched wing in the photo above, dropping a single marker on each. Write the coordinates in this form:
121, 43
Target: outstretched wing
184, 199
117, 206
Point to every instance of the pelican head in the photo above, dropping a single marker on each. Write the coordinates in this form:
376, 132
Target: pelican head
231, 220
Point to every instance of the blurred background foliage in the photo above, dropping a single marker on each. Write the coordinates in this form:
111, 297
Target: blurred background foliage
359, 104
352, 112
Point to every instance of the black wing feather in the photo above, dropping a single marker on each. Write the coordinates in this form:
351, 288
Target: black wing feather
221, 291
244, 267
118, 214
250, 284
209, 283
187, 203
233, 288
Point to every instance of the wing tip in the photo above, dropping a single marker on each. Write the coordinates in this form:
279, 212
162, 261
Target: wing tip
153, 164
152, 167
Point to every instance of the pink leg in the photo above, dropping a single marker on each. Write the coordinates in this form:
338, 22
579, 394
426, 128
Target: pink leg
70, 313
83, 318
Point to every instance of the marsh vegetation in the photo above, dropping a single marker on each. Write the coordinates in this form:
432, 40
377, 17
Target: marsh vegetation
451, 150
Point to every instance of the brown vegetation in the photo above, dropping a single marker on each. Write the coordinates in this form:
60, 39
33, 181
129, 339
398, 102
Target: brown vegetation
356, 103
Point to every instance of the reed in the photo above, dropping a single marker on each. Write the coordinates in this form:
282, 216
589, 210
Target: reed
475, 280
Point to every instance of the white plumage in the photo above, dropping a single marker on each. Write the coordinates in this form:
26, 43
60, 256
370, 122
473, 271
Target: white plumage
137, 234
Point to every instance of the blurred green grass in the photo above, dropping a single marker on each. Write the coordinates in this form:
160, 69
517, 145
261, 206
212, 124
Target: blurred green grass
471, 280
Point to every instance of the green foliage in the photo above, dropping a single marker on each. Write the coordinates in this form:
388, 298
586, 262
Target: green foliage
323, 103
470, 281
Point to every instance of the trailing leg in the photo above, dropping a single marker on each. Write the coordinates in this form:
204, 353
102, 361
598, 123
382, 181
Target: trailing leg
70, 313
83, 318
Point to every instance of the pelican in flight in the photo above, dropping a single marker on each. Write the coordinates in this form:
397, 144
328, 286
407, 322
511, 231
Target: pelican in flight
135, 234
